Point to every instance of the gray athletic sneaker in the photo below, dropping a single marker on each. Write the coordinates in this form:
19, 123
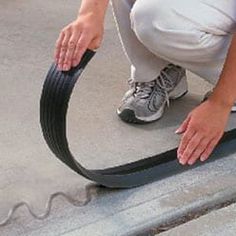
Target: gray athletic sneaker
145, 102
207, 95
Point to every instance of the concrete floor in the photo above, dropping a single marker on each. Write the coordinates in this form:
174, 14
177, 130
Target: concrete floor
220, 222
28, 170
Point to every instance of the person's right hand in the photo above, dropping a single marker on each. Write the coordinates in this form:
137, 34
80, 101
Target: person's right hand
86, 32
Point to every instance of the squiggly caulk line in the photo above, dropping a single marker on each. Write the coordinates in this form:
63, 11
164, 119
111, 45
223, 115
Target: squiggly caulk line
90, 192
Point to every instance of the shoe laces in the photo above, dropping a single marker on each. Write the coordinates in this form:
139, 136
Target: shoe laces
161, 85
144, 89
165, 82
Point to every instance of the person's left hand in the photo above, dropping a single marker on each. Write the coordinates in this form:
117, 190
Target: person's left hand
202, 130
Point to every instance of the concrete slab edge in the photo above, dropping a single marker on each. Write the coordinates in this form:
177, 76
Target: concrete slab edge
210, 202
148, 228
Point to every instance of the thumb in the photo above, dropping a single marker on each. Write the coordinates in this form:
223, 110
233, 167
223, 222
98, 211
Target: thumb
183, 126
95, 43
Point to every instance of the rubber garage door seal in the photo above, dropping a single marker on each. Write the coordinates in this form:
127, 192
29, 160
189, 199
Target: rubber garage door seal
55, 97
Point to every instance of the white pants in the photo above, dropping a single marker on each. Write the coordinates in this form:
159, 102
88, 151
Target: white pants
194, 34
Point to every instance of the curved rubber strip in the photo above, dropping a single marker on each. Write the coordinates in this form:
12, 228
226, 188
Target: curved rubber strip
55, 97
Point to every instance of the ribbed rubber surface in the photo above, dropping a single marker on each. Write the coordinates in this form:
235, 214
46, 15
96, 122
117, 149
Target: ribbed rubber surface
55, 97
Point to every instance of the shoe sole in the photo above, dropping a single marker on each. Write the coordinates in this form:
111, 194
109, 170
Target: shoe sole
128, 115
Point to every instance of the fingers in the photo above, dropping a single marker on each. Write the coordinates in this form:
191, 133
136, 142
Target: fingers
183, 127
82, 46
63, 50
67, 63
70, 49
199, 150
189, 147
196, 146
80, 49
201, 133
75, 39
209, 149
184, 142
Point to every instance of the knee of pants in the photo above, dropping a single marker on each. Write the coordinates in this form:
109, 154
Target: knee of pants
169, 34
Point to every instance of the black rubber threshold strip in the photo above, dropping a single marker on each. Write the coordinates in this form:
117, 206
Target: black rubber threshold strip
55, 97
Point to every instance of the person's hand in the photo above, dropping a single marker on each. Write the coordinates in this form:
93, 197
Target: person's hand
202, 130
86, 32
